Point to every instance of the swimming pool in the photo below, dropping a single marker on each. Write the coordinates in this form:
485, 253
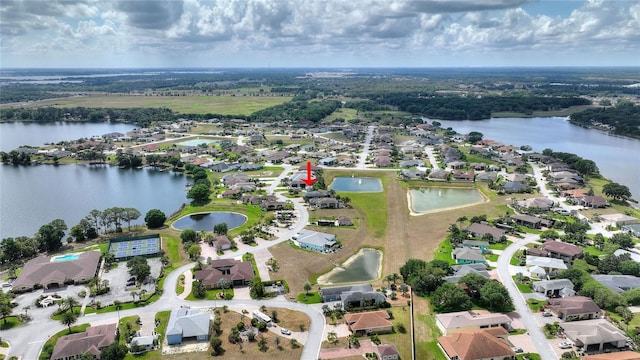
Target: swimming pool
66, 257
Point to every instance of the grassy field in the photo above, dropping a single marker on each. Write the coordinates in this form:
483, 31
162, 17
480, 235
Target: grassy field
402, 341
223, 105
566, 112
426, 332
312, 298
211, 294
342, 113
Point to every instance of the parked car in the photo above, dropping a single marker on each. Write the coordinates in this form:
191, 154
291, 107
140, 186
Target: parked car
285, 331
547, 314
566, 345
517, 349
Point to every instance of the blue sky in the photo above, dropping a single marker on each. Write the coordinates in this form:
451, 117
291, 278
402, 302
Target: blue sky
319, 33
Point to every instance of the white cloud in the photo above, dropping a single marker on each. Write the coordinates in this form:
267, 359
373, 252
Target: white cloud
385, 30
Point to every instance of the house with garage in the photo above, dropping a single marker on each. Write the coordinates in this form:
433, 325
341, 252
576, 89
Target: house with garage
369, 322
387, 352
315, 240
574, 308
479, 230
550, 267
465, 255
58, 271
562, 250
554, 288
187, 324
225, 273
486, 344
91, 341
618, 283
532, 222
483, 246
594, 335
471, 320
461, 270
334, 293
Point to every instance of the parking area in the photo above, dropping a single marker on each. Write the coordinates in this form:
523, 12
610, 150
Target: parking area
118, 277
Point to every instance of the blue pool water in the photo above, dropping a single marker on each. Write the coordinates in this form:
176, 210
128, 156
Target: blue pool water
356, 184
206, 221
66, 257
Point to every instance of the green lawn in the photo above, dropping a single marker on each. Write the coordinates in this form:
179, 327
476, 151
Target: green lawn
402, 341
249, 257
499, 246
179, 285
312, 298
47, 349
76, 310
524, 288
171, 248
211, 294
429, 350
132, 322
491, 257
443, 252
535, 305
592, 250
9, 323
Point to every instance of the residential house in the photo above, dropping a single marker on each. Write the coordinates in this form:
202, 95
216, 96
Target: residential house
383, 161
48, 273
550, 266
487, 177
618, 283
483, 246
369, 322
594, 335
465, 255
231, 194
225, 272
540, 203
358, 299
477, 345
461, 270
324, 203
315, 240
334, 293
471, 320
328, 161
91, 341
633, 229
272, 205
315, 194
562, 250
344, 221
617, 220
479, 230
232, 179
387, 352
532, 222
142, 344
592, 201
514, 187
222, 243
575, 308
411, 163
407, 174
187, 324
439, 175
554, 288
464, 175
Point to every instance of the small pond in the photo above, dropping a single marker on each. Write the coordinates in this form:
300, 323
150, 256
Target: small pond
196, 142
425, 200
206, 221
356, 184
363, 266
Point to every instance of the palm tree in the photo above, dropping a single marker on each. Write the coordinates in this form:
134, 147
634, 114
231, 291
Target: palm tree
68, 318
69, 303
26, 308
142, 293
133, 295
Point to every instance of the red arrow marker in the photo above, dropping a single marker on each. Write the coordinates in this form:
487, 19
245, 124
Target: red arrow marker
309, 181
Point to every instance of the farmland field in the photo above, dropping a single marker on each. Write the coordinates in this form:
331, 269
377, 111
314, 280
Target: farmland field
223, 105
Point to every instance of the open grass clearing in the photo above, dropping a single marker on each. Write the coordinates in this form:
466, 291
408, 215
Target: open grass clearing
402, 341
290, 319
223, 105
213, 294
342, 113
313, 297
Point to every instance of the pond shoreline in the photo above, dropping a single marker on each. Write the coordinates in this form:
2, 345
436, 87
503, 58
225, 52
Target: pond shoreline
414, 212
322, 279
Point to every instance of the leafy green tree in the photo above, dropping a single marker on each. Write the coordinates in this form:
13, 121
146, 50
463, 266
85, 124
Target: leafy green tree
194, 251
130, 214
139, 267
50, 235
115, 351
307, 288
256, 288
155, 218
623, 240
5, 306
221, 229
616, 191
199, 194
474, 283
450, 297
199, 290
216, 346
496, 297
475, 136
411, 268
188, 235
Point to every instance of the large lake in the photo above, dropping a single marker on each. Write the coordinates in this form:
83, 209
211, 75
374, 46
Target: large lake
618, 158
31, 196
16, 134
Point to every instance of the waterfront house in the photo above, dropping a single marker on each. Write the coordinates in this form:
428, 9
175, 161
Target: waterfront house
479, 230
334, 293
47, 272
315, 240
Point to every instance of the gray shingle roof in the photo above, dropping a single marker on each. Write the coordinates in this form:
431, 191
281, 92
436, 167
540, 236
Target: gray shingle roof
188, 323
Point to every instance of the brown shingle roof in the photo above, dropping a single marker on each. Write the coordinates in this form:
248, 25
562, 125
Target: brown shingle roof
574, 305
369, 320
474, 345
621, 355
562, 248
42, 271
229, 269
91, 340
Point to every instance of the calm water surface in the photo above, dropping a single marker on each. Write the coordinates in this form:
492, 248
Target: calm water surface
363, 268
618, 158
31, 196
207, 221
16, 134
428, 199
356, 184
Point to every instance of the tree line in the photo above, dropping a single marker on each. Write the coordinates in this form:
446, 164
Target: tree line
624, 118
583, 166
473, 108
313, 111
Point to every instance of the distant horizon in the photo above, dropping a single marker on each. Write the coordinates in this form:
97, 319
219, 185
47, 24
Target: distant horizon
334, 67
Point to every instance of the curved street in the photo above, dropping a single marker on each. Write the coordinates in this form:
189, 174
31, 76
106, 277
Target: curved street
543, 347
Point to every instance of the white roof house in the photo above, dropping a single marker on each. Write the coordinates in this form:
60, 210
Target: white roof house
546, 262
465, 320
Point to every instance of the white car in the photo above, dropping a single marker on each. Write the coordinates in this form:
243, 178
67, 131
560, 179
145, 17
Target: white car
285, 331
566, 345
